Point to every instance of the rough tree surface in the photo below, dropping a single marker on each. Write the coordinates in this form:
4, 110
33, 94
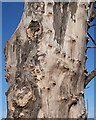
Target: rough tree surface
45, 61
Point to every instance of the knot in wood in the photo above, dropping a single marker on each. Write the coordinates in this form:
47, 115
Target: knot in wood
34, 26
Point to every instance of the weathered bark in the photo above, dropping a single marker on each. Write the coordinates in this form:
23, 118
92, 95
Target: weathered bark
45, 61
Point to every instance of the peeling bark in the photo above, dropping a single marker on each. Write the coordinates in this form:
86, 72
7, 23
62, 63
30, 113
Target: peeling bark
45, 61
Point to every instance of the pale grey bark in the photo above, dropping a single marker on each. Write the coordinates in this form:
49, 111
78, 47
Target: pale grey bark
45, 61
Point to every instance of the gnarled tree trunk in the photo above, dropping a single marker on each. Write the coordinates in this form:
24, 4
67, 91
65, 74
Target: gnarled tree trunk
45, 61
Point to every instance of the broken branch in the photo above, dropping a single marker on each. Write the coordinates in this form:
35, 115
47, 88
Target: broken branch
90, 77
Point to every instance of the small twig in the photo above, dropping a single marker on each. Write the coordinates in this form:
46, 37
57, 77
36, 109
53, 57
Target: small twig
92, 38
91, 25
91, 47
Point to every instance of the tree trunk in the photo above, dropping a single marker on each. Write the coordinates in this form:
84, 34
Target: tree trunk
45, 61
